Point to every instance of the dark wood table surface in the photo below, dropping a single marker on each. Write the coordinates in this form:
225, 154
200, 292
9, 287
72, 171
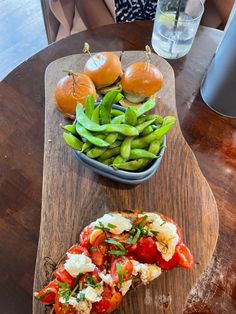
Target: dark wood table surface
211, 137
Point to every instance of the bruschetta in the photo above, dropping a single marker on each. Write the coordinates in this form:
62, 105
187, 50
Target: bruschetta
115, 253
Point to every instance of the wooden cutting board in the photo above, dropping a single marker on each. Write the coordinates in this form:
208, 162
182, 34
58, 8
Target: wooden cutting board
73, 196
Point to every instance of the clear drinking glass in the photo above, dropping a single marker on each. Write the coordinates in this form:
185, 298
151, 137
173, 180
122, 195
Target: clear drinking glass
175, 27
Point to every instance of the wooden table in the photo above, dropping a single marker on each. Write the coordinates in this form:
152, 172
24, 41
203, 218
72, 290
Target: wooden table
211, 137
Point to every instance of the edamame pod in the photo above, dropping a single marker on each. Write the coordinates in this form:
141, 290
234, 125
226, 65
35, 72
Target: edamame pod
70, 128
72, 141
131, 116
143, 125
90, 137
108, 100
137, 153
118, 119
130, 165
95, 115
89, 106
124, 129
148, 105
110, 152
155, 135
149, 129
88, 124
108, 161
125, 148
85, 146
116, 113
118, 160
95, 152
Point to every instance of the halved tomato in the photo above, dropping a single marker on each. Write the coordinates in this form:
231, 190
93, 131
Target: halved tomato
63, 276
109, 303
146, 250
78, 249
163, 264
126, 269
185, 258
85, 235
60, 308
48, 293
94, 275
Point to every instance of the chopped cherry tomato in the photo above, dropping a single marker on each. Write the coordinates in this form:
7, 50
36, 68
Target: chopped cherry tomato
94, 274
78, 249
64, 276
99, 239
131, 248
146, 250
115, 301
97, 256
103, 305
109, 303
185, 258
61, 308
85, 235
48, 293
172, 263
126, 269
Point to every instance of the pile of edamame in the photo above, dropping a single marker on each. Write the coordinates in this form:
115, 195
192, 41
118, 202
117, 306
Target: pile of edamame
127, 140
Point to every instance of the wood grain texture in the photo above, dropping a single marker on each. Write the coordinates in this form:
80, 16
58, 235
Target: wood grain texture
73, 196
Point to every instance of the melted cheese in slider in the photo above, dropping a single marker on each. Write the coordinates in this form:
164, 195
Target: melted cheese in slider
116, 223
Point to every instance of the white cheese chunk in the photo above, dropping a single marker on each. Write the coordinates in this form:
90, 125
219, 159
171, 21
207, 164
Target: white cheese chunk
107, 279
119, 222
147, 272
91, 294
78, 264
125, 286
167, 237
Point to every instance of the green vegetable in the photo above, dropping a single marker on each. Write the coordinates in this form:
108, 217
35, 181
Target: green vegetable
95, 115
143, 125
108, 100
131, 116
115, 112
72, 141
89, 106
147, 130
117, 244
125, 148
141, 153
70, 128
110, 153
90, 137
130, 165
119, 272
148, 105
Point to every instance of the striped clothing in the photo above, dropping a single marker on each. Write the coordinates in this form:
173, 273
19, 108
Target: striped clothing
133, 10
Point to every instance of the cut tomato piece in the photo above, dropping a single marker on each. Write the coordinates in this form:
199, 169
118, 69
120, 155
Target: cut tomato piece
48, 293
185, 258
78, 249
102, 306
61, 308
172, 263
94, 275
115, 301
85, 236
97, 256
64, 276
126, 269
146, 250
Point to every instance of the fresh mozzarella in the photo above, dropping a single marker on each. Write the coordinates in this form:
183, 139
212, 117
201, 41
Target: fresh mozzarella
116, 223
125, 286
167, 237
107, 279
147, 272
91, 294
78, 264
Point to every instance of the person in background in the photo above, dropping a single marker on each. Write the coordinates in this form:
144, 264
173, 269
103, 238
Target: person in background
78, 15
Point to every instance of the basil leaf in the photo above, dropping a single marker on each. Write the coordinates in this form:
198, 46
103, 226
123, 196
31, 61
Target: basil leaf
119, 271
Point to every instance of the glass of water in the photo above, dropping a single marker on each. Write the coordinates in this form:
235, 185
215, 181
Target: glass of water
175, 27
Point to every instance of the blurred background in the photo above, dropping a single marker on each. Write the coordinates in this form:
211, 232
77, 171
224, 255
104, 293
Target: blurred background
23, 33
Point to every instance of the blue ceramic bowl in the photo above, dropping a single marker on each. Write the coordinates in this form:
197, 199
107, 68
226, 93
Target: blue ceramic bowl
127, 177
